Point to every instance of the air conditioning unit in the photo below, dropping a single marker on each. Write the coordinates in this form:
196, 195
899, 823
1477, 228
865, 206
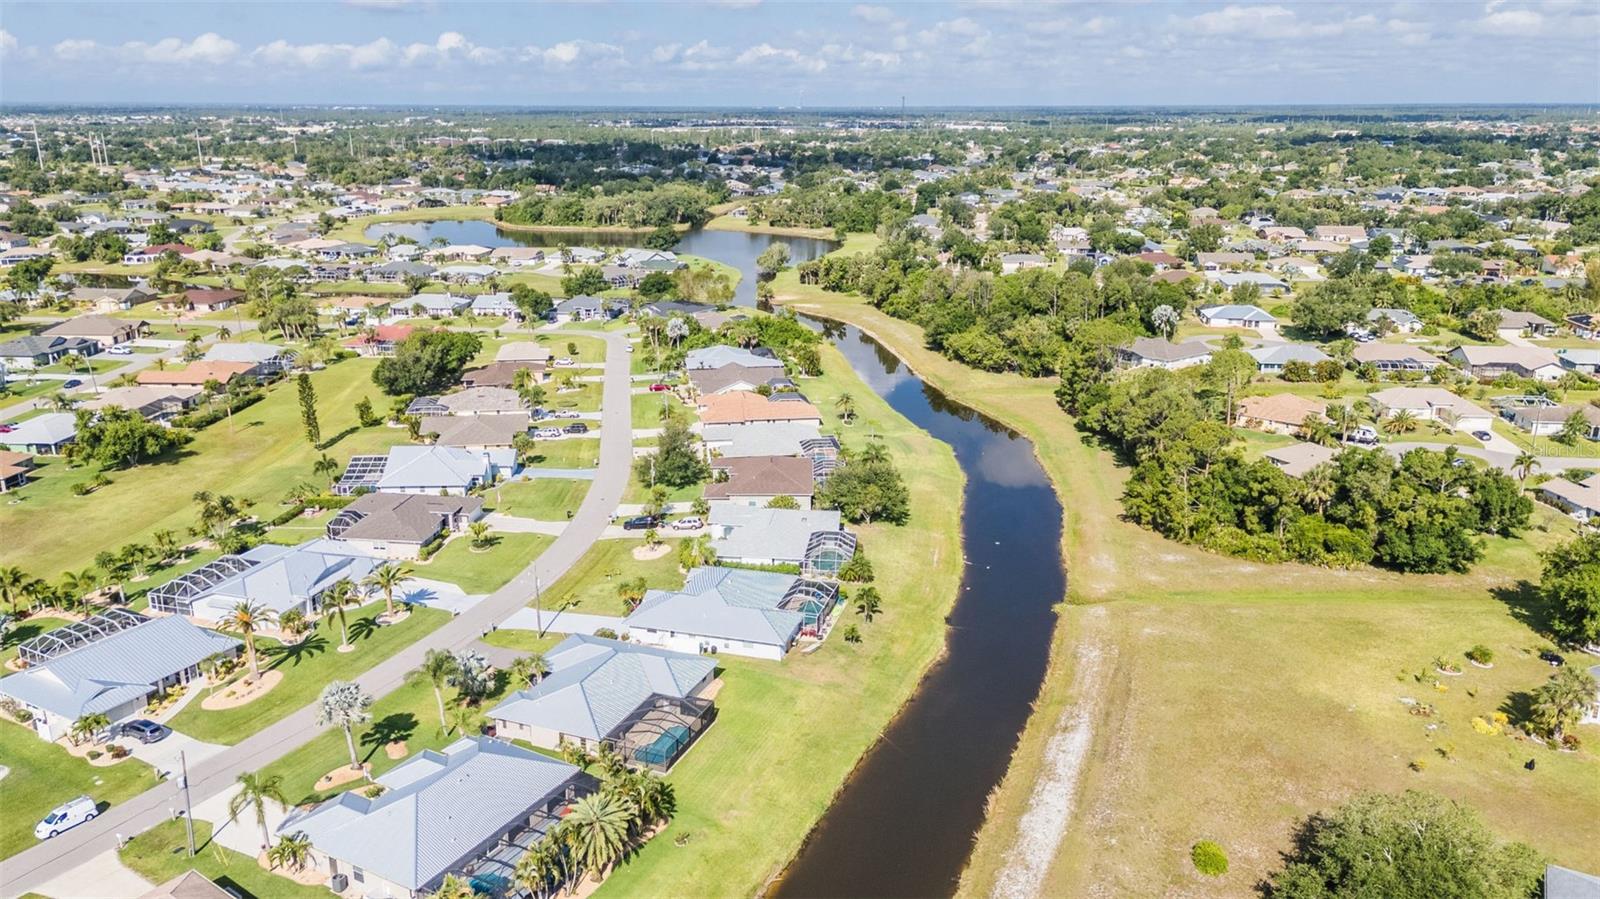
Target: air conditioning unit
338, 882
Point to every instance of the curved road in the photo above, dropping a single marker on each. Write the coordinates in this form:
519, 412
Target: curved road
33, 867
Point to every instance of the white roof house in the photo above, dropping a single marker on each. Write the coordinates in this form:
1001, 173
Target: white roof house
267, 356
722, 610
1431, 403
757, 535
279, 578
719, 355
1274, 356
1235, 316
430, 469
440, 812
45, 434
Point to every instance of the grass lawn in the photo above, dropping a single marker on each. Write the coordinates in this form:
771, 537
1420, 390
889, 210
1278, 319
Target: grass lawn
1238, 697
568, 452
547, 499
582, 396
637, 492
787, 734
25, 630
740, 223
307, 667
43, 776
486, 571
1546, 446
259, 458
582, 347
162, 853
100, 365
591, 585
525, 641
20, 390
647, 409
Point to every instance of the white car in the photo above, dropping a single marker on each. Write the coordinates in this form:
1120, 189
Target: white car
630, 347
547, 433
692, 523
121, 350
567, 413
65, 817
564, 361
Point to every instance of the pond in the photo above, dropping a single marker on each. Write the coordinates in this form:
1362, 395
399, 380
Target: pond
736, 248
904, 823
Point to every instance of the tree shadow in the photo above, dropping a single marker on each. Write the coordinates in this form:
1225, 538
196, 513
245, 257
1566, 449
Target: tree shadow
1518, 708
386, 730
295, 653
363, 627
1527, 606
21, 634
332, 441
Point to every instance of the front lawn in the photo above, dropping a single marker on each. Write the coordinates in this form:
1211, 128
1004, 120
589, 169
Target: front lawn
486, 571
585, 349
43, 775
568, 452
308, 666
546, 499
582, 396
162, 853
647, 409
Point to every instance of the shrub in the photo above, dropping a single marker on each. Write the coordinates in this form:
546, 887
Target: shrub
606, 633
1209, 859
858, 570
94, 754
1481, 654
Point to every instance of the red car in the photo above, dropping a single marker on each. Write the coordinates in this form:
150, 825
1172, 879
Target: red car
660, 388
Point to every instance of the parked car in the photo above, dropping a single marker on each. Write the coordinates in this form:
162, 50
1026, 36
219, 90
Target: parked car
660, 388
693, 522
641, 523
1485, 436
6, 429
547, 433
66, 816
145, 730
564, 361
121, 350
630, 347
1554, 659
566, 413
577, 427
74, 382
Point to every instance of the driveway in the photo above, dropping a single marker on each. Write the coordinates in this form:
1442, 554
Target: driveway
164, 756
102, 876
242, 835
215, 776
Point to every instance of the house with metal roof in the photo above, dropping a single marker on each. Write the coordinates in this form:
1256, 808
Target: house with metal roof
641, 701
44, 435
279, 578
471, 809
750, 613
471, 401
102, 329
430, 469
1490, 362
719, 355
813, 539
109, 668
1272, 357
769, 438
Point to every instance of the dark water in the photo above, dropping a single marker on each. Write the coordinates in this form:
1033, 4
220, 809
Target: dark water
904, 824
735, 248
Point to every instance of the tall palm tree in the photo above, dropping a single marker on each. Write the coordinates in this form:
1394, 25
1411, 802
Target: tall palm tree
868, 603
165, 543
12, 581
596, 831
385, 579
1561, 701
245, 620
652, 797
530, 669
344, 703
846, 407
327, 466
438, 667
77, 585
255, 790
1524, 465
336, 600
1318, 486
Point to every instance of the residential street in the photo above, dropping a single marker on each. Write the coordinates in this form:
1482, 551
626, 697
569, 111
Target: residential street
28, 870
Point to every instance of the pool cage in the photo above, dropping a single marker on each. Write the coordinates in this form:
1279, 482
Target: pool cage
77, 635
178, 595
826, 553
344, 521
813, 600
427, 405
363, 471
490, 871
657, 733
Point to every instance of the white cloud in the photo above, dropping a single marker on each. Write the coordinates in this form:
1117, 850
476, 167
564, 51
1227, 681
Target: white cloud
1272, 22
1409, 33
208, 49
874, 15
1520, 22
768, 55
569, 53
372, 55
8, 43
1098, 25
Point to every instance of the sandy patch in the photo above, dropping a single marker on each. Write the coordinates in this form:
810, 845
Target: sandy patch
240, 693
342, 775
395, 750
646, 553
711, 690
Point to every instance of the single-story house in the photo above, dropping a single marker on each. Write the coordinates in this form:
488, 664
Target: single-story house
107, 664
214, 300
1282, 413
1236, 316
434, 469
1272, 357
471, 401
397, 525
278, 577
814, 539
1299, 458
14, 469
156, 403
733, 610
1230, 280
1339, 233
112, 299
433, 305
720, 355
42, 435
517, 257
756, 480
1392, 357
771, 438
1011, 263
102, 329
265, 359
1216, 262
1515, 324
440, 812
1541, 420
145, 255
744, 407
1580, 359
583, 309
1153, 352
523, 351
477, 432
39, 351
466, 273
496, 304
729, 378
380, 340
642, 701
1404, 320
503, 374
1585, 325
1432, 404
1490, 362
195, 374
397, 271
1581, 500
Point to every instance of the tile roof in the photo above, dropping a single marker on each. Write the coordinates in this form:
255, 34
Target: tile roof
741, 407
195, 374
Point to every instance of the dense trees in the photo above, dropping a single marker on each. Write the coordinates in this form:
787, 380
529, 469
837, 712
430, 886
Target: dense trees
117, 438
866, 487
640, 206
426, 362
1571, 589
676, 461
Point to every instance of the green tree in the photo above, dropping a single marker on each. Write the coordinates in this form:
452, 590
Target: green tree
255, 791
246, 619
530, 669
866, 488
868, 603
664, 237
386, 579
586, 281
308, 408
344, 704
1560, 702
87, 726
1570, 587
291, 851
437, 668
121, 438
596, 831
774, 259
427, 362
676, 461
336, 600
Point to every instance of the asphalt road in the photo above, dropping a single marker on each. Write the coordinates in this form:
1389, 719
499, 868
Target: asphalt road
27, 870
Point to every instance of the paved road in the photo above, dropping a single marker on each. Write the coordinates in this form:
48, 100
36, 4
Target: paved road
28, 870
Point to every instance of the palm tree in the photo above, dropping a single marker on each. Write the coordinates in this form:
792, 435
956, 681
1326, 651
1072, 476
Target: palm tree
385, 578
539, 868
291, 851
12, 582
326, 466
1561, 701
596, 831
846, 406
345, 704
610, 762
479, 532
245, 619
868, 603
337, 598
166, 545
631, 592
697, 552
464, 719
1318, 486
453, 887
530, 669
438, 666
255, 789
1524, 465
87, 726
77, 585
1403, 421
651, 796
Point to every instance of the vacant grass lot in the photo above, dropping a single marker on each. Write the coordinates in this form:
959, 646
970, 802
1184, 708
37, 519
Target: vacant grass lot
1242, 696
43, 776
591, 586
161, 853
547, 499
582, 396
568, 452
307, 667
259, 458
485, 571
647, 409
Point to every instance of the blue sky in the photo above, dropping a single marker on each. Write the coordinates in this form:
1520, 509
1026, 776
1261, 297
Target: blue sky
772, 53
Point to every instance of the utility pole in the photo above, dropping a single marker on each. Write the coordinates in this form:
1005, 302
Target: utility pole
38, 148
538, 608
188, 810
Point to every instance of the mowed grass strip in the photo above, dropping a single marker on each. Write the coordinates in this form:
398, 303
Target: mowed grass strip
43, 775
161, 853
545, 499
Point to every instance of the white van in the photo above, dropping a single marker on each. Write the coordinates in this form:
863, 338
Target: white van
65, 817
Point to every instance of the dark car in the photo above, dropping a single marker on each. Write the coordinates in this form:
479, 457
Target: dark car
1485, 436
72, 383
145, 731
641, 523
577, 427
1555, 660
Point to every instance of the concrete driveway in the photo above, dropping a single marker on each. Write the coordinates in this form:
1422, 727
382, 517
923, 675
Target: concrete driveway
242, 835
102, 876
164, 756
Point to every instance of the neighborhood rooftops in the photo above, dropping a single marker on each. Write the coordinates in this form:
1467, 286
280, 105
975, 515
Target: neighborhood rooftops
1299, 458
719, 355
743, 407
725, 603
763, 476
402, 517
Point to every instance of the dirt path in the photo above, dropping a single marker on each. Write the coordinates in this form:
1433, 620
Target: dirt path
1054, 797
